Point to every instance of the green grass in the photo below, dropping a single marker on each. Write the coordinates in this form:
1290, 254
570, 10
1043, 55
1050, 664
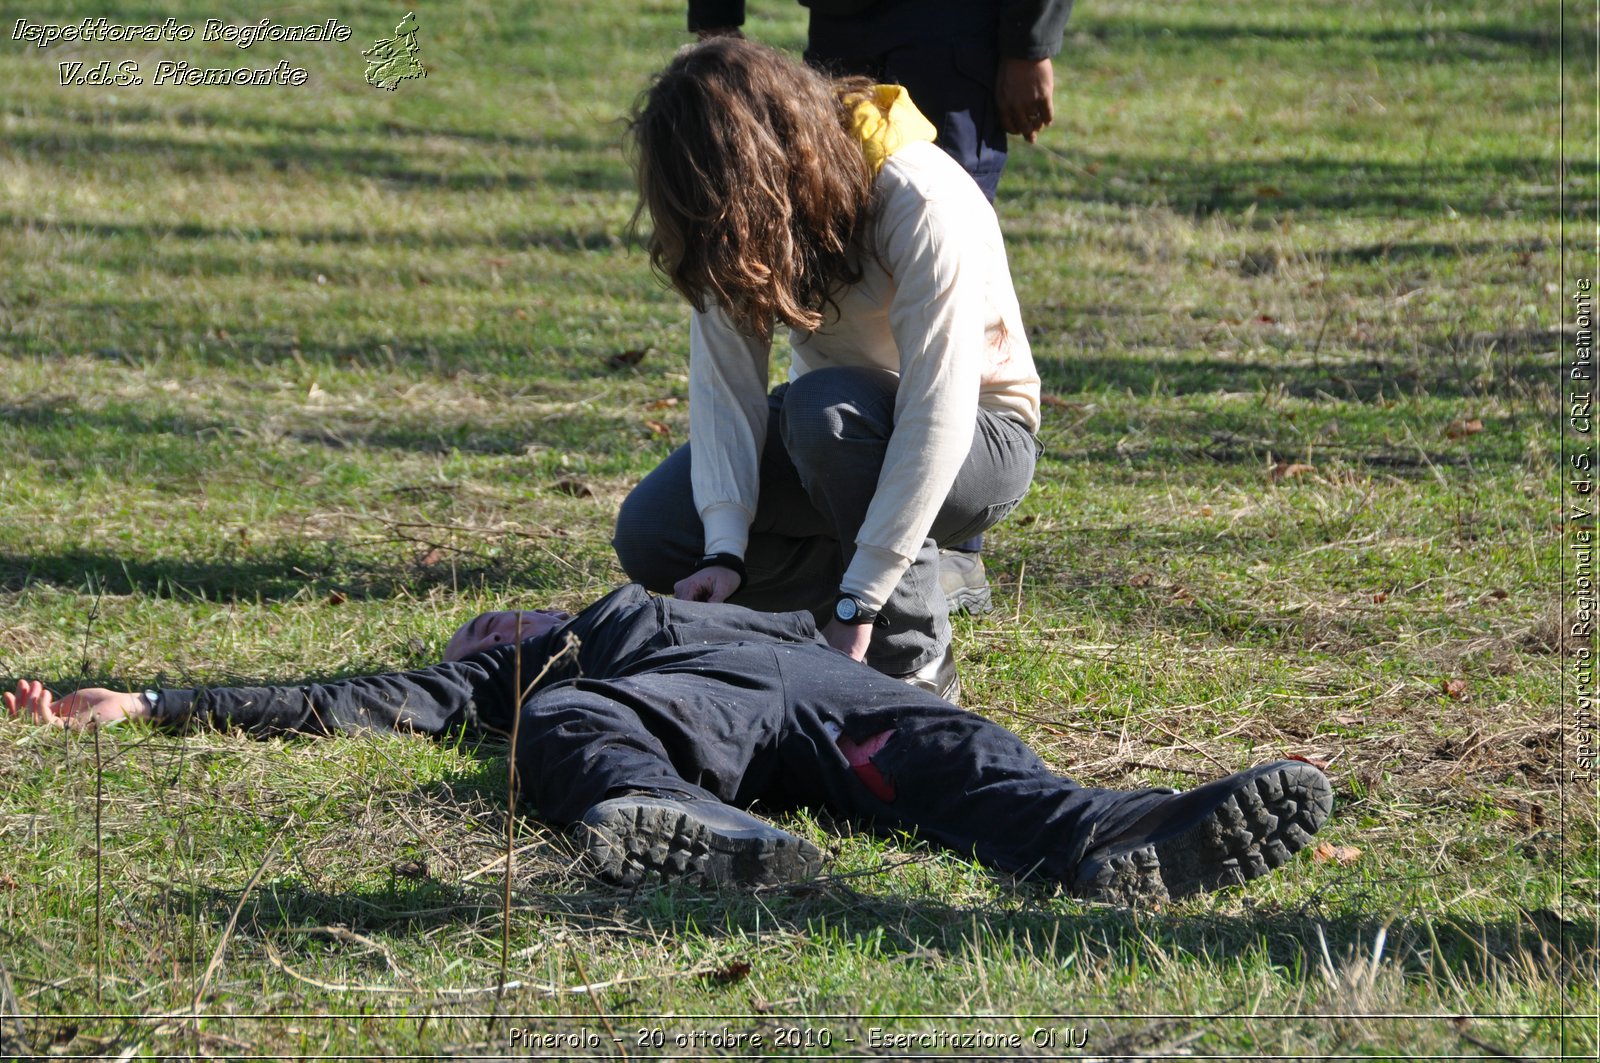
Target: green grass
296, 380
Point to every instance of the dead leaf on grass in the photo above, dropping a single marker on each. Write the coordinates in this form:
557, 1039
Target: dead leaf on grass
337, 598
1320, 765
1284, 470
575, 488
1140, 579
1340, 854
431, 558
1454, 689
736, 971
1462, 429
664, 403
658, 427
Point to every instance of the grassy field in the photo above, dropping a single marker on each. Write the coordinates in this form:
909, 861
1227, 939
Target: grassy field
296, 379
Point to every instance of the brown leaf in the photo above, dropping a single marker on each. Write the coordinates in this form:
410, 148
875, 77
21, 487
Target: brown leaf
575, 488
1182, 594
1140, 579
628, 359
1320, 765
8, 883
1455, 689
520, 314
1349, 719
412, 869
658, 427
664, 403
736, 971
1059, 403
1462, 429
432, 557
1286, 471
1342, 854
1269, 191
1498, 594
336, 598
1381, 597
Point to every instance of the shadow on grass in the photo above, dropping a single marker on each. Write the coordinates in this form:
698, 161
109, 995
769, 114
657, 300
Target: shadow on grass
511, 236
161, 444
1461, 43
232, 122
1054, 931
1199, 185
283, 574
1031, 918
109, 149
1516, 360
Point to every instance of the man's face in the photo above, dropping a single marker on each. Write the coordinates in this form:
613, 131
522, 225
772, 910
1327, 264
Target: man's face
488, 630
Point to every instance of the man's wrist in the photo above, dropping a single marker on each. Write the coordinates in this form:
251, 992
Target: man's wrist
732, 562
848, 609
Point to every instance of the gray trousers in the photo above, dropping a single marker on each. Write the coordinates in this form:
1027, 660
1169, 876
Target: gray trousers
827, 434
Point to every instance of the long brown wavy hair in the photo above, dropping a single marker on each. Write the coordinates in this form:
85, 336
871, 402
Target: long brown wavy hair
756, 188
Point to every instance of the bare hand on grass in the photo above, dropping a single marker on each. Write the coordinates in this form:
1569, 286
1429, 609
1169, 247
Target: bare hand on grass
80, 710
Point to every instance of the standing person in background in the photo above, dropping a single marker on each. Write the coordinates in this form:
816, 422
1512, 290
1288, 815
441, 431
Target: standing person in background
779, 196
979, 70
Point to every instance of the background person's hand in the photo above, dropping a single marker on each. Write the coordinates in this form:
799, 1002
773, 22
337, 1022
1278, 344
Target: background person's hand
89, 707
852, 639
713, 584
1024, 93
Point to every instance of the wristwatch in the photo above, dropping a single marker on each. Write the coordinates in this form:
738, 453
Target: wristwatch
848, 609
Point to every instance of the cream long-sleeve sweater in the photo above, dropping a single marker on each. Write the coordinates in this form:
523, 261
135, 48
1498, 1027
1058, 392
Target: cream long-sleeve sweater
935, 305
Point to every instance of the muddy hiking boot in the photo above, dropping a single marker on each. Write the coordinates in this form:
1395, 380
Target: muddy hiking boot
1217, 835
638, 838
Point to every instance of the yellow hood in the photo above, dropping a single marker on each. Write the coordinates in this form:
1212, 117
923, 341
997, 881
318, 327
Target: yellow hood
885, 120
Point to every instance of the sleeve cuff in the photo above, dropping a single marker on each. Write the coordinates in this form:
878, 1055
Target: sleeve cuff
873, 575
727, 526
175, 707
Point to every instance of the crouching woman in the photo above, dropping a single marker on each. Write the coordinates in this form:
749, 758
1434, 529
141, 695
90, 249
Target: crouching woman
779, 197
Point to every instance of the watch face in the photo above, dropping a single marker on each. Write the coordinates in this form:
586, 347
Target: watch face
845, 609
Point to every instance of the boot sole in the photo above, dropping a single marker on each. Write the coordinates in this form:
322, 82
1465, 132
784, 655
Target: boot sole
630, 843
1268, 816
970, 600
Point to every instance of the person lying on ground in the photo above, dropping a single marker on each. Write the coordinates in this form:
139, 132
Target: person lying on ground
650, 724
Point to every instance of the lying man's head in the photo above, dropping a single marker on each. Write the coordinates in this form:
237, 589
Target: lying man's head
488, 630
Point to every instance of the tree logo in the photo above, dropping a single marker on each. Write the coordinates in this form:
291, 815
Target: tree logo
393, 59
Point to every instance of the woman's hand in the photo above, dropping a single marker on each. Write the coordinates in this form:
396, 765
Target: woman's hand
852, 639
80, 710
713, 584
